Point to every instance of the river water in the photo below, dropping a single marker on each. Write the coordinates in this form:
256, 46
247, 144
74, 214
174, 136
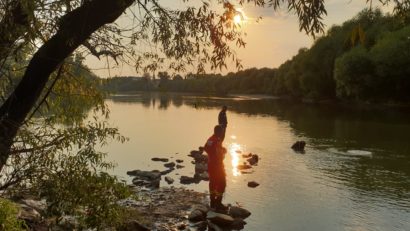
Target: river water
354, 175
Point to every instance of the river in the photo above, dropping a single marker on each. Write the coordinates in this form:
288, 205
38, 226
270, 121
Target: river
354, 175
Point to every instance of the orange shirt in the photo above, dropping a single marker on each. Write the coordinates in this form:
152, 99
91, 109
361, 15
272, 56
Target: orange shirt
215, 152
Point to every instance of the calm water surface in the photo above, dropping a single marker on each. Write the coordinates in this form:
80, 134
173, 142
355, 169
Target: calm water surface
355, 174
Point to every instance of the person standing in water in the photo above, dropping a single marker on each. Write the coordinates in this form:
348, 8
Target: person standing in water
222, 120
216, 170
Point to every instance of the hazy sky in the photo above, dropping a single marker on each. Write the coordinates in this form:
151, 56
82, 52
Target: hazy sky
270, 42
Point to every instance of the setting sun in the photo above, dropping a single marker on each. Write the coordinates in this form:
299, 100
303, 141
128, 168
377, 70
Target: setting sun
237, 19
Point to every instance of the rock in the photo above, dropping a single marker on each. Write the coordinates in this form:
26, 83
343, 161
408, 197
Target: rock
201, 167
180, 166
219, 218
214, 227
28, 213
196, 215
202, 176
147, 183
201, 149
179, 161
238, 151
188, 180
169, 180
181, 226
165, 172
148, 175
69, 222
39, 205
238, 212
253, 184
253, 160
237, 224
244, 166
200, 226
299, 146
247, 155
160, 159
170, 165
195, 153
132, 226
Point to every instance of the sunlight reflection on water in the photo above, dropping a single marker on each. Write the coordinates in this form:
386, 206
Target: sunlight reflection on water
234, 150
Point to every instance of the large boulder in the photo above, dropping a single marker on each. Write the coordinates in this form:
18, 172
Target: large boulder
219, 218
238, 212
237, 224
196, 215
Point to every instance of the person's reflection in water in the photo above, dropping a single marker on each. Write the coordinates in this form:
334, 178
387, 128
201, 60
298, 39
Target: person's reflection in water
222, 120
216, 170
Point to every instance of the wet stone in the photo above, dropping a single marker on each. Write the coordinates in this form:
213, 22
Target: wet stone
170, 165
160, 159
238, 212
253, 184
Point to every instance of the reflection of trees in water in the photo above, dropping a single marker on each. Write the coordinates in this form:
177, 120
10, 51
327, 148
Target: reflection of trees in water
386, 132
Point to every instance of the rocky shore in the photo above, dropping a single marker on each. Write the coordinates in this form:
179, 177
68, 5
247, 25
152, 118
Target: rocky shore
160, 208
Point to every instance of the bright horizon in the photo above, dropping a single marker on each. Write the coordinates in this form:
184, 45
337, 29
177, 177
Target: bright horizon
269, 43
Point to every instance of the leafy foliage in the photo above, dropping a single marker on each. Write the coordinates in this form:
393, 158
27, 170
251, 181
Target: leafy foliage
8, 216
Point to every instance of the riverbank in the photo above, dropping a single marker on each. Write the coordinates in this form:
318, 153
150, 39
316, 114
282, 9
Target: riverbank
307, 101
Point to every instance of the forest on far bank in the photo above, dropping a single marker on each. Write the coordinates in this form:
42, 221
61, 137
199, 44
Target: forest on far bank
367, 58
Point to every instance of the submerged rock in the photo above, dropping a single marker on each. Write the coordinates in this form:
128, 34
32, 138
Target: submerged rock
169, 180
299, 146
244, 166
180, 166
247, 155
253, 184
179, 161
254, 159
160, 159
170, 165
165, 172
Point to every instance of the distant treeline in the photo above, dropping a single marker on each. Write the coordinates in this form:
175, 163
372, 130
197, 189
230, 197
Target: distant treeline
365, 59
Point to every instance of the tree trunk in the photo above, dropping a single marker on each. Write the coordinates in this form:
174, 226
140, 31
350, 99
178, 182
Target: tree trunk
75, 28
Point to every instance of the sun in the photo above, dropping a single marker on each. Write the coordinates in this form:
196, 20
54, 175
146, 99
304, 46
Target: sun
237, 19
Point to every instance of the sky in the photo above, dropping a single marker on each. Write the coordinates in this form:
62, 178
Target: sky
269, 42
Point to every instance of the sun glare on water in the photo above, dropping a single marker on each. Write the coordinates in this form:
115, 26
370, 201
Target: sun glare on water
235, 150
